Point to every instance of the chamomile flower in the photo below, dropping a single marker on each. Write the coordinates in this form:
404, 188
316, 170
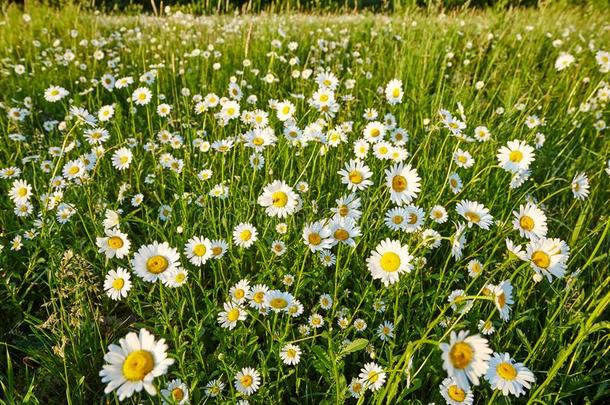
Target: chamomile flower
155, 261
115, 243
530, 221
175, 278
454, 394
580, 186
465, 358
256, 296
239, 292
133, 364
486, 327
508, 376
20, 192
219, 248
278, 301
474, 213
356, 175
291, 354
121, 159
244, 235
372, 376
503, 298
55, 93
393, 92
403, 183
438, 214
198, 250
356, 388
344, 230
117, 283
385, 331
141, 96
232, 313
279, 199
475, 268
317, 236
548, 256
388, 261
516, 156
247, 381
463, 159
176, 393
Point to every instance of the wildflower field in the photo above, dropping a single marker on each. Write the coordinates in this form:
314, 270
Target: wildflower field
286, 208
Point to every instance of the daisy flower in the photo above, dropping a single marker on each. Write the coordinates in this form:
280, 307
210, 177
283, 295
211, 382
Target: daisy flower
117, 283
256, 296
247, 381
198, 250
240, 291
516, 156
55, 93
356, 388
393, 92
503, 298
455, 183
506, 375
278, 301
465, 358
20, 192
388, 261
244, 235
291, 354
232, 313
279, 199
153, 262
134, 363
176, 393
356, 175
453, 394
344, 231
121, 158
580, 186
115, 243
372, 376
475, 268
474, 213
463, 159
317, 236
438, 214
385, 331
548, 256
403, 182
530, 221
486, 327
141, 96
175, 278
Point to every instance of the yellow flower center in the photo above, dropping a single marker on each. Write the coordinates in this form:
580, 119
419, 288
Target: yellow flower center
527, 223
245, 235
373, 376
399, 183
461, 355
246, 381
462, 159
456, 393
515, 156
375, 132
501, 300
355, 177
216, 250
506, 371
180, 277
341, 234
22, 192
291, 353
115, 242
541, 259
278, 303
314, 239
230, 111
396, 92
279, 199
390, 262
137, 365
397, 219
118, 283
453, 183
285, 110
199, 250
124, 159
74, 170
239, 293
472, 217
259, 297
177, 394
343, 210
324, 97
412, 219
258, 141
233, 315
157, 264
142, 96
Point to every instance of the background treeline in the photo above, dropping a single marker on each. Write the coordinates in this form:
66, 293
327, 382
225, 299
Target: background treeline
316, 6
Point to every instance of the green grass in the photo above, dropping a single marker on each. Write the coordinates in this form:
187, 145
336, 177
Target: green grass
57, 321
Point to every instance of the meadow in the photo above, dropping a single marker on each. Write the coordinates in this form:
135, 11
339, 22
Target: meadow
301, 208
